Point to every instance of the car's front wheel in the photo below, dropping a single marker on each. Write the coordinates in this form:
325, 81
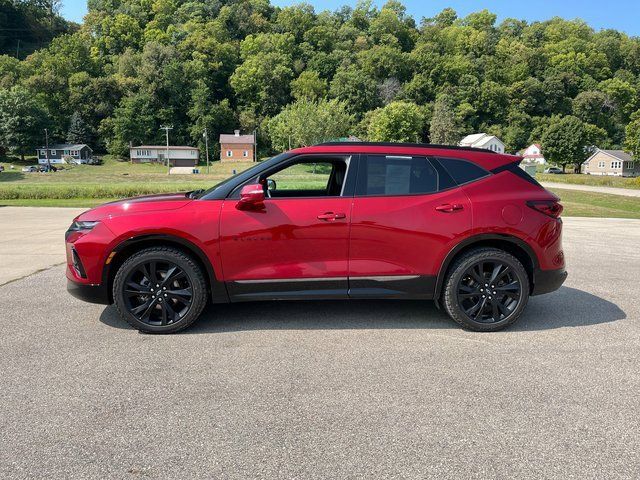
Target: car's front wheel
160, 290
486, 290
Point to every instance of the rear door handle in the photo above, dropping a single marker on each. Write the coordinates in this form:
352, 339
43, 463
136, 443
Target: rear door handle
449, 208
330, 216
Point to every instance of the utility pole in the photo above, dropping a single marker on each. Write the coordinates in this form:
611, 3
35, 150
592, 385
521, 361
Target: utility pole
46, 144
166, 129
206, 146
255, 144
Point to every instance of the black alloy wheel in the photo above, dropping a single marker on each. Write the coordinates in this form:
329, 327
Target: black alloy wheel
489, 291
158, 293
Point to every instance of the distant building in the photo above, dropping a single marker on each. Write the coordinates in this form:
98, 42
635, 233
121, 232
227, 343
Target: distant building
483, 140
533, 154
65, 153
237, 147
179, 156
611, 162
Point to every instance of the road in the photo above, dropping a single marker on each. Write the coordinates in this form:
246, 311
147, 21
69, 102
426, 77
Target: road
625, 192
331, 389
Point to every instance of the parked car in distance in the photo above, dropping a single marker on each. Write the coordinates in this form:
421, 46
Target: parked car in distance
31, 168
465, 227
554, 171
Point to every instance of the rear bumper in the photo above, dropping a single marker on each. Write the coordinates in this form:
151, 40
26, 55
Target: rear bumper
546, 281
88, 293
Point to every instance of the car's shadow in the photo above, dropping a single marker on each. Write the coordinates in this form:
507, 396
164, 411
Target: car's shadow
568, 307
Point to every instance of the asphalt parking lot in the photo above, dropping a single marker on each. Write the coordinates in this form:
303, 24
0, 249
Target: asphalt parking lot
331, 389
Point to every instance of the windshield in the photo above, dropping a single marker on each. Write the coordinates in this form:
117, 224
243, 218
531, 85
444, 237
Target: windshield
245, 174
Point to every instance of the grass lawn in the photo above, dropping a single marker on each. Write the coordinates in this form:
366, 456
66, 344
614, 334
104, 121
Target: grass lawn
591, 204
593, 180
113, 179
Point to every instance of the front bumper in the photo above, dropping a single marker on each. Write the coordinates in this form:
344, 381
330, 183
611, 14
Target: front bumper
88, 292
546, 281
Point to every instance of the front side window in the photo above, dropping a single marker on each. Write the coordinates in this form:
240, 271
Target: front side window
307, 178
398, 175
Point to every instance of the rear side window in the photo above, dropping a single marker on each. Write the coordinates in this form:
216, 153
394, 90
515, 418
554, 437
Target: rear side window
462, 171
396, 175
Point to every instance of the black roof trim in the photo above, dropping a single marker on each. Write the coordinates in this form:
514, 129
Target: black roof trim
414, 145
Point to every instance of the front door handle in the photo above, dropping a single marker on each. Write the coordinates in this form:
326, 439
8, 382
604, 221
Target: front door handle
449, 208
330, 216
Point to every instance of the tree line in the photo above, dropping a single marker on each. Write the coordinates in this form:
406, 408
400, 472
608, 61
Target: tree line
298, 77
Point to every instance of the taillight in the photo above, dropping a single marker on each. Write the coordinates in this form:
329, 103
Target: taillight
551, 208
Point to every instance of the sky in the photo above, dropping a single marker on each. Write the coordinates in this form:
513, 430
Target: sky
621, 15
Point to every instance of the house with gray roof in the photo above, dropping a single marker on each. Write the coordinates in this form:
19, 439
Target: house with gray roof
237, 147
483, 140
611, 162
64, 153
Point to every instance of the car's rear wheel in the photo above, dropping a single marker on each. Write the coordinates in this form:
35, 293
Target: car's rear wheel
486, 290
160, 290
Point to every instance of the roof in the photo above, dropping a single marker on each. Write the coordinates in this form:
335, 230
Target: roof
67, 146
164, 147
232, 138
407, 145
487, 159
478, 139
618, 154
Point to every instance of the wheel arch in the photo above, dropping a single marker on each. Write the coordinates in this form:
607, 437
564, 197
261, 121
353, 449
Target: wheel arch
128, 247
513, 245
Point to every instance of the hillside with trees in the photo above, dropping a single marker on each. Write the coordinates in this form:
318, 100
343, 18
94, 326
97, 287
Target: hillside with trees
299, 76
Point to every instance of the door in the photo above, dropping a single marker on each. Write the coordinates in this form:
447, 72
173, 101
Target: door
296, 244
407, 213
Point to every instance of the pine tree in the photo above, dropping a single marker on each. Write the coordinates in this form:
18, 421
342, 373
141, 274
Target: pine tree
77, 132
445, 127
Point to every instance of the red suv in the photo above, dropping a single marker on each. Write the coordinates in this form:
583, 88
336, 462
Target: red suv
464, 227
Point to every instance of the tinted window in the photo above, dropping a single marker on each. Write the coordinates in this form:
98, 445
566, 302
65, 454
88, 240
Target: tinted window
380, 175
462, 171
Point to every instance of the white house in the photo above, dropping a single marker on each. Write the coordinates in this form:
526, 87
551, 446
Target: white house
179, 156
533, 154
483, 140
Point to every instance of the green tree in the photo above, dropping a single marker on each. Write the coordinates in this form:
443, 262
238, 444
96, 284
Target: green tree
632, 137
308, 86
77, 132
306, 123
397, 122
566, 141
445, 127
22, 121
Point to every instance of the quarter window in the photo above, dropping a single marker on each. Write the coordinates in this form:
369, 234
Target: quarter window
462, 171
397, 175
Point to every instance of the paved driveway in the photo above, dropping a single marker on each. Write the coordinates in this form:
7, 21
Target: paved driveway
32, 239
331, 389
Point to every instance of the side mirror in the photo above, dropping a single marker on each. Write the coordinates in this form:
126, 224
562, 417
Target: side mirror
271, 185
251, 196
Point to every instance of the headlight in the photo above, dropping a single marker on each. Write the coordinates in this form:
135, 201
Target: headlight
78, 226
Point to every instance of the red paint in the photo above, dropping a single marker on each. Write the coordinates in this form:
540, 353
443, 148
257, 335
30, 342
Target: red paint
324, 237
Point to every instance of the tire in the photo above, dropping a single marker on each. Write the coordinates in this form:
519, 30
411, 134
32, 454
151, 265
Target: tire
500, 306
170, 303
